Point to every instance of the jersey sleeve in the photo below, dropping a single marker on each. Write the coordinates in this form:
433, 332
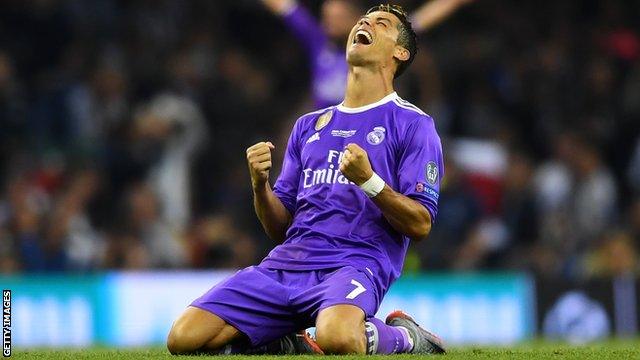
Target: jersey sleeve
306, 29
421, 166
286, 186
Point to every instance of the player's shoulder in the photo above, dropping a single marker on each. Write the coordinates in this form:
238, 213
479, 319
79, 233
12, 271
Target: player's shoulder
410, 113
318, 113
312, 117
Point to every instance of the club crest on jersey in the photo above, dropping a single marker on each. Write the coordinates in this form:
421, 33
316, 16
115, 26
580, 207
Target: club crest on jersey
376, 136
323, 120
432, 173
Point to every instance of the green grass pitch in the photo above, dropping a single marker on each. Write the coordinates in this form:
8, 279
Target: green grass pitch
617, 350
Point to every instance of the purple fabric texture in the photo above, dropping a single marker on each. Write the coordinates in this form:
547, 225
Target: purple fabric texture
267, 304
334, 222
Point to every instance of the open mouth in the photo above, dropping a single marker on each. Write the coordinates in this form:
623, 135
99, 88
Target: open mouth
363, 37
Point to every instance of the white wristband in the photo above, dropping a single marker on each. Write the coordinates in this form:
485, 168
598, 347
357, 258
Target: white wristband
373, 186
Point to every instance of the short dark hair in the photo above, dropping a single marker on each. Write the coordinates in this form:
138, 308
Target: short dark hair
407, 38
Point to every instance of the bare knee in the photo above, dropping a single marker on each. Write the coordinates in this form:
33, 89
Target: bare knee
198, 330
185, 338
182, 341
341, 332
341, 338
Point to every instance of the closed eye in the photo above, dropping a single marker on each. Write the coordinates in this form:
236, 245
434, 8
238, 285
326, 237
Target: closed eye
383, 21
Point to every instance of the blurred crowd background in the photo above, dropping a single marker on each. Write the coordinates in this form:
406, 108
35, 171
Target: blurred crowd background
124, 124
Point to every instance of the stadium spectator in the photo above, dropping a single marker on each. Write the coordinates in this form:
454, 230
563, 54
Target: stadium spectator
27, 206
615, 255
173, 128
505, 239
459, 211
125, 251
594, 200
163, 243
70, 225
217, 243
98, 106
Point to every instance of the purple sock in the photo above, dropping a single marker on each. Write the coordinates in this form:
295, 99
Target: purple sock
385, 339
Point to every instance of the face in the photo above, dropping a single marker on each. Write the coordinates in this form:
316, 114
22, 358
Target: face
338, 17
373, 41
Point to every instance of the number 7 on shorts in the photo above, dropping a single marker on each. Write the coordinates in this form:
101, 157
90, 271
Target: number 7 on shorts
357, 291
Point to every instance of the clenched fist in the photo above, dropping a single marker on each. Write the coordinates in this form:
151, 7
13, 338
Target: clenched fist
355, 164
259, 160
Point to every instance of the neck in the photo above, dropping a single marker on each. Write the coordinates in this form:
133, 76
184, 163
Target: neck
366, 86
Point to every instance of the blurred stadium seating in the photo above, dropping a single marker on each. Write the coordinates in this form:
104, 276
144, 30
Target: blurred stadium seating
123, 126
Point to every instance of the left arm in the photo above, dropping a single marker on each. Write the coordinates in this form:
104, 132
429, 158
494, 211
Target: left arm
412, 208
407, 216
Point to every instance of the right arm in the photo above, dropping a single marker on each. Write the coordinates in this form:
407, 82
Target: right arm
300, 22
273, 215
433, 12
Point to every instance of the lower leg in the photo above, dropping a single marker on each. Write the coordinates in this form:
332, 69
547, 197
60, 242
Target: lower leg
384, 339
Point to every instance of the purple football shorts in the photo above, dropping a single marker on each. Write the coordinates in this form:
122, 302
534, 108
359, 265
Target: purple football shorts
266, 304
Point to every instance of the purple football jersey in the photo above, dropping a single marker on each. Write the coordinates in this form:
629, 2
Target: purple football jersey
334, 223
328, 61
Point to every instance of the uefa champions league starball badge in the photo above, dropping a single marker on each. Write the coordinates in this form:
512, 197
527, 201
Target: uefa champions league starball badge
323, 120
376, 136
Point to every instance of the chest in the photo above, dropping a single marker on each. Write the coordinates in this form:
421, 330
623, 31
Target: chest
324, 141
